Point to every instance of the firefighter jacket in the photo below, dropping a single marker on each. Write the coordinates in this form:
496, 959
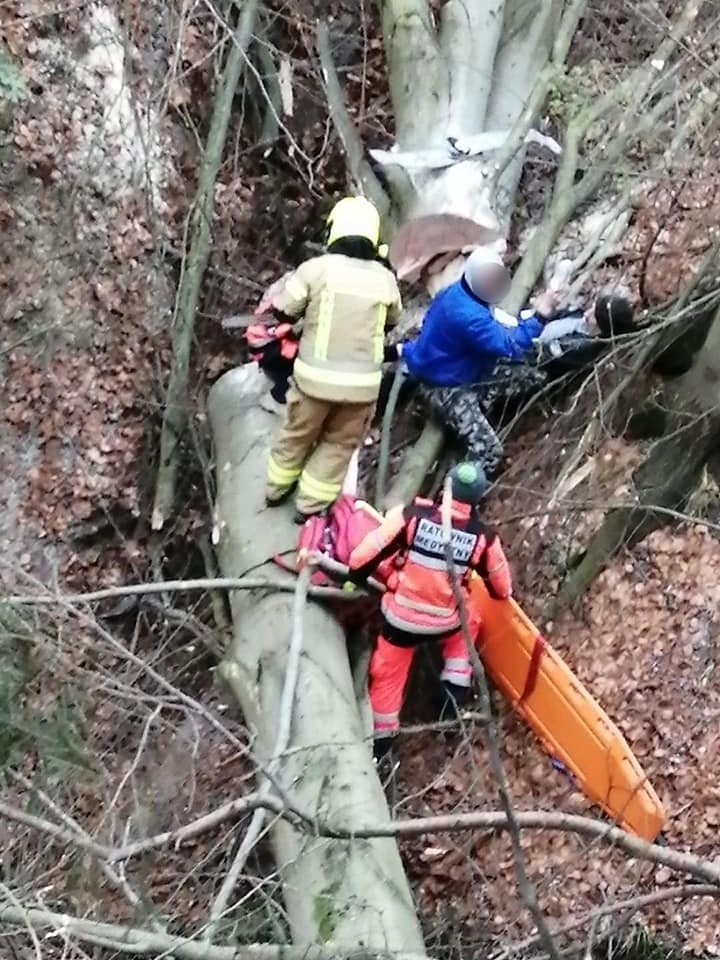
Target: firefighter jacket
419, 597
347, 304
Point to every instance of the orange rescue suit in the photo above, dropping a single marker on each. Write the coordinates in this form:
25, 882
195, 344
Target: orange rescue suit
419, 597
419, 604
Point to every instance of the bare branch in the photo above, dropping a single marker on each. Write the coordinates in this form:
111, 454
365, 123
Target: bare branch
117, 879
182, 586
525, 887
480, 820
175, 417
629, 906
538, 96
270, 93
567, 194
282, 739
146, 943
359, 167
416, 465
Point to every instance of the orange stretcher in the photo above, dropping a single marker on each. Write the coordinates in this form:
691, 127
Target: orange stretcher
570, 724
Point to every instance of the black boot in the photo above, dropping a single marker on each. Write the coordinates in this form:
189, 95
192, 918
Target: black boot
283, 498
382, 747
300, 518
454, 700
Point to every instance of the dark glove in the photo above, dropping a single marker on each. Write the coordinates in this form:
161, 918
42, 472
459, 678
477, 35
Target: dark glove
391, 353
279, 391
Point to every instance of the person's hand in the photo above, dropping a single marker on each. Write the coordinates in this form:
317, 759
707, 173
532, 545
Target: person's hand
546, 304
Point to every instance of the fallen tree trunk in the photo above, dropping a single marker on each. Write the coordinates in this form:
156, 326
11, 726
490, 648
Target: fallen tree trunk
670, 473
350, 892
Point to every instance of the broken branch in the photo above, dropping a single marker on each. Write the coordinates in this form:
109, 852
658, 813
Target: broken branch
193, 268
182, 586
525, 887
146, 943
282, 739
360, 169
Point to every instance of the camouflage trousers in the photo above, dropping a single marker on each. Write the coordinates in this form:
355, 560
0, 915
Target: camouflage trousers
463, 410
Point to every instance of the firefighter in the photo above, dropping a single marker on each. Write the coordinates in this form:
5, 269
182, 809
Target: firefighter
455, 357
347, 298
419, 604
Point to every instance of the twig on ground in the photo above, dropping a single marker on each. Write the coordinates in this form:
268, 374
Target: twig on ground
24, 918
117, 879
632, 905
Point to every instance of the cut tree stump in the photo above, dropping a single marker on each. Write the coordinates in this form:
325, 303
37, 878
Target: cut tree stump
352, 893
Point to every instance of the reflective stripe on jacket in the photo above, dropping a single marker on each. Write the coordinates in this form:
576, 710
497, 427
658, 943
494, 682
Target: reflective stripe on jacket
419, 598
347, 304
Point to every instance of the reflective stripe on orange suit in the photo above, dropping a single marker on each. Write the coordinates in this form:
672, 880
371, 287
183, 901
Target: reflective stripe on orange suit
420, 598
389, 670
496, 569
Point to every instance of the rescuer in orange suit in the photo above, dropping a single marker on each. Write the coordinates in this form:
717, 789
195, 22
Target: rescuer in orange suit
419, 605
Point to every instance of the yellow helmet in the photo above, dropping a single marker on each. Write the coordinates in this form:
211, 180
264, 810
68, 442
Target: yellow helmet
354, 217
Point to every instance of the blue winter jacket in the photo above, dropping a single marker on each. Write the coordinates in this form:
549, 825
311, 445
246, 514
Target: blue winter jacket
461, 340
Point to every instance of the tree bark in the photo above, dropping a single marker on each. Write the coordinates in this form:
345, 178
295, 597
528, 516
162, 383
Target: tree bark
350, 892
194, 268
671, 471
519, 74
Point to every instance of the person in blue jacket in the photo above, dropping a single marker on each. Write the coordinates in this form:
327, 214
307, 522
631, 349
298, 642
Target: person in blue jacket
456, 355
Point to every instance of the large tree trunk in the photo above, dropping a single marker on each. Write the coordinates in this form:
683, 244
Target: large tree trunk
349, 892
670, 473
471, 72
513, 43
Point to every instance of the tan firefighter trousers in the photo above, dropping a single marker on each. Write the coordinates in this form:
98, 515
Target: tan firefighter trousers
314, 448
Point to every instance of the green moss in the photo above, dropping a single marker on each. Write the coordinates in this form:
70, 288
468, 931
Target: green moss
641, 944
12, 87
56, 732
573, 89
326, 913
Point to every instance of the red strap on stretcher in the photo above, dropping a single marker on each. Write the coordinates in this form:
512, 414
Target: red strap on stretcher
534, 668
281, 562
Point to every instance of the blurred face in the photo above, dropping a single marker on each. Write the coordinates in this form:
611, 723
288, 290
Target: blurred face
491, 282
